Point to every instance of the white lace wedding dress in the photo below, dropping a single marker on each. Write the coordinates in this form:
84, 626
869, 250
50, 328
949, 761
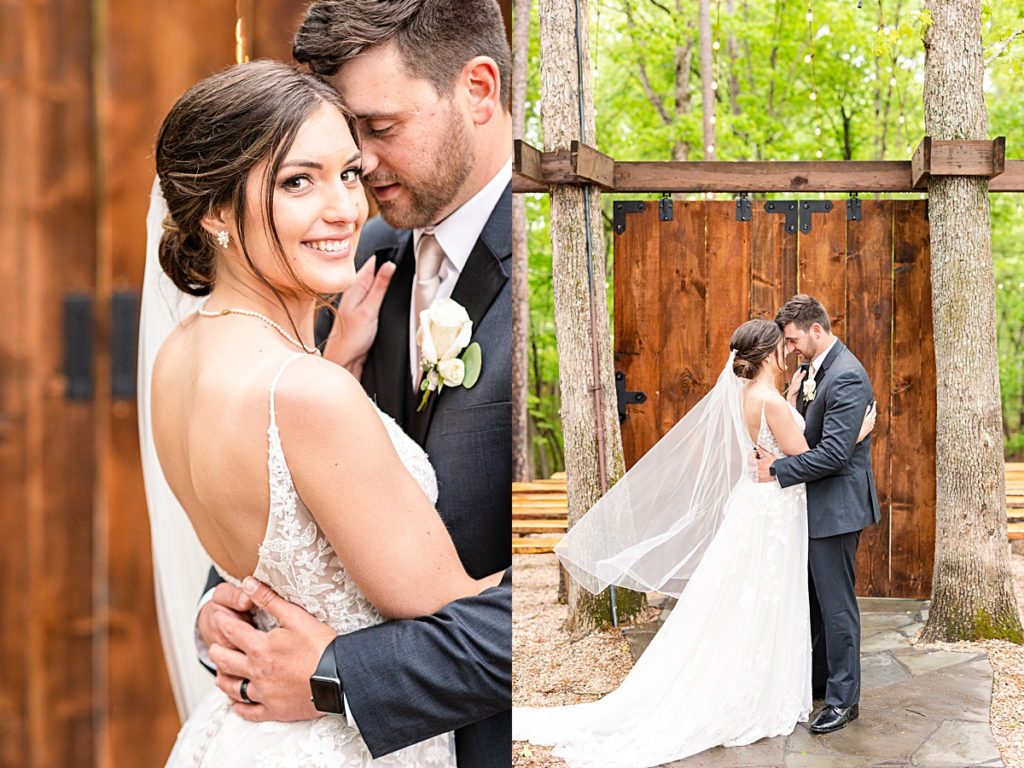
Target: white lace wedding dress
732, 663
296, 559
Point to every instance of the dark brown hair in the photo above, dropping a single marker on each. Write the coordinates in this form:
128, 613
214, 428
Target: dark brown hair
435, 38
216, 133
753, 342
803, 311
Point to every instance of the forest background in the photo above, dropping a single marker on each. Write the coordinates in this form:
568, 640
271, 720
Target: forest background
793, 80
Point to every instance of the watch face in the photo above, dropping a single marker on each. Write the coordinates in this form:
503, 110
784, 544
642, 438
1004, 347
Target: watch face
326, 695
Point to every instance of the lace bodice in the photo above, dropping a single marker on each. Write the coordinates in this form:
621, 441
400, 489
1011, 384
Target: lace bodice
298, 562
295, 558
766, 437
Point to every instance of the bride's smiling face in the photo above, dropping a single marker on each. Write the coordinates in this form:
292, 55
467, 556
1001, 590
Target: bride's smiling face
319, 208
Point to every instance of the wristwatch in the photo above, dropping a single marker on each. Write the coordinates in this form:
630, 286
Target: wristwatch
325, 685
771, 470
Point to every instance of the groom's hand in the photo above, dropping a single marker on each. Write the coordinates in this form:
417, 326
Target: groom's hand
355, 327
277, 664
231, 605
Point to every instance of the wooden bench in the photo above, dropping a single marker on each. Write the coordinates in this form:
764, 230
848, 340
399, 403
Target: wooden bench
1015, 500
540, 515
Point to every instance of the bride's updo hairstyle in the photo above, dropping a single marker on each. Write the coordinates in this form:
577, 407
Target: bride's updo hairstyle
216, 133
753, 342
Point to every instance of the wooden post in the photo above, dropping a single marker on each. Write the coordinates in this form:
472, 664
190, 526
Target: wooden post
589, 416
972, 596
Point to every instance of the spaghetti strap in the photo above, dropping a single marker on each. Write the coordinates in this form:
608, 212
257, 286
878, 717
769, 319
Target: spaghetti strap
273, 386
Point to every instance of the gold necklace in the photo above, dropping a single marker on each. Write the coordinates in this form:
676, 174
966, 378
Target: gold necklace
204, 312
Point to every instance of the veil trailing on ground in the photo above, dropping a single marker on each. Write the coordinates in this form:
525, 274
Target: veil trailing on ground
180, 563
649, 532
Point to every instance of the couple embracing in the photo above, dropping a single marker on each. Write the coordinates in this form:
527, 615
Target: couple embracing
345, 464
749, 510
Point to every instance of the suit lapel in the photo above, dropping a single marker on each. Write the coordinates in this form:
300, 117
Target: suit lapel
386, 376
478, 285
819, 374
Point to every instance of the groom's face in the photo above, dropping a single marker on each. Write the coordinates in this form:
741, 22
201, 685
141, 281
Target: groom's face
798, 340
417, 144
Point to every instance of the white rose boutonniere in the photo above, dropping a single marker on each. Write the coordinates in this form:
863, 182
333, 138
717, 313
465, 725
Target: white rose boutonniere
809, 390
444, 333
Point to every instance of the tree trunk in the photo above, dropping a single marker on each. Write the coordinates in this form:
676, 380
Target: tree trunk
972, 595
707, 78
581, 308
520, 257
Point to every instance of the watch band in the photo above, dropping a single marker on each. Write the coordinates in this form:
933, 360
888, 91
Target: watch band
771, 470
325, 685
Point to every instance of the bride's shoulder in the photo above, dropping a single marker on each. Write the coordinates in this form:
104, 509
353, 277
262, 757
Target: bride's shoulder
775, 405
313, 393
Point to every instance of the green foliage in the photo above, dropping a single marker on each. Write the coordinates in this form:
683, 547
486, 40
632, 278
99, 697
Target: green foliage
865, 68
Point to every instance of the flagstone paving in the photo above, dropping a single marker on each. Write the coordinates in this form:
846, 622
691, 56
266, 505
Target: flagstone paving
920, 708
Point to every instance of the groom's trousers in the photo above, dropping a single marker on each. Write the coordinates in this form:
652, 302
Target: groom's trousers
835, 618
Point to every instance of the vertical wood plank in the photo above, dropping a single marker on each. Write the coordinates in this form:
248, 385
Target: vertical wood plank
869, 316
822, 254
728, 283
912, 459
150, 55
48, 221
274, 27
638, 325
15, 512
772, 252
683, 333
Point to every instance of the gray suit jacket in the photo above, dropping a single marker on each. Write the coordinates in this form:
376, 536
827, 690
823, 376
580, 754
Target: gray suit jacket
841, 496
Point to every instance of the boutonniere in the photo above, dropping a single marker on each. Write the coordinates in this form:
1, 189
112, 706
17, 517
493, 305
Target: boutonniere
444, 334
809, 390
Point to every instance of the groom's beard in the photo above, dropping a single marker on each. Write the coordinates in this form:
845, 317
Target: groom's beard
425, 197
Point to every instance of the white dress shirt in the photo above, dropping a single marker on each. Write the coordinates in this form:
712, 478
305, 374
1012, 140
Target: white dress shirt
456, 234
816, 362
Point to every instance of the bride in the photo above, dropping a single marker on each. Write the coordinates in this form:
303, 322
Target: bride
732, 663
276, 454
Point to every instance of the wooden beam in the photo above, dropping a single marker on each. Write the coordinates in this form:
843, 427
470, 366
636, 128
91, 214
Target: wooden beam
587, 163
733, 177
527, 162
584, 165
921, 163
934, 157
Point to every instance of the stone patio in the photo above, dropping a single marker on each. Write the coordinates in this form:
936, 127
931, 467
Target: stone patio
921, 708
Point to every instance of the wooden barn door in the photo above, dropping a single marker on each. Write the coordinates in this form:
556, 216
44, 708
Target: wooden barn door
688, 273
83, 87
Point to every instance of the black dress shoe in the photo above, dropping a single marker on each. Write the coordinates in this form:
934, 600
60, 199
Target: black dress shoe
833, 718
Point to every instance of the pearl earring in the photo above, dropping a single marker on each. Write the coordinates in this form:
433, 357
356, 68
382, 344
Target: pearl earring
223, 238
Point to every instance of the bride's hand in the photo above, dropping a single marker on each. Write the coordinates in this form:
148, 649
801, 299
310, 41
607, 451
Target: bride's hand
869, 422
356, 326
794, 386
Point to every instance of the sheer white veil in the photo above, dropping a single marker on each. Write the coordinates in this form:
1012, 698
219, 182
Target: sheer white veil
180, 564
650, 530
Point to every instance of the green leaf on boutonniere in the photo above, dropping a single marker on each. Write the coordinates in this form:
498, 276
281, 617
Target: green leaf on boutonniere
472, 358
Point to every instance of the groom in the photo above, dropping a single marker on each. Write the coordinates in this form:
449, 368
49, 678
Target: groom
841, 500
428, 82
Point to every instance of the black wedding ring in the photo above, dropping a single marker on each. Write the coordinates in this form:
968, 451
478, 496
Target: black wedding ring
243, 691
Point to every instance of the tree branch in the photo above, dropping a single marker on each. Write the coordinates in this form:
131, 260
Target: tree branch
654, 98
1002, 45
